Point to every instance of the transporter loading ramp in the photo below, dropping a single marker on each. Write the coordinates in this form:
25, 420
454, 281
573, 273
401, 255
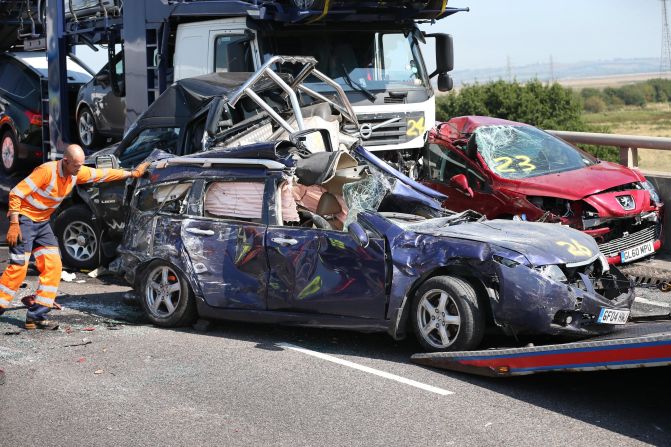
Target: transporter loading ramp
634, 345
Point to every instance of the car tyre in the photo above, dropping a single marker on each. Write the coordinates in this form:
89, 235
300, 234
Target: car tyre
78, 238
446, 315
10, 152
87, 131
166, 296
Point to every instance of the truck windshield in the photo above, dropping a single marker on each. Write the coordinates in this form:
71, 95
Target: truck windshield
372, 60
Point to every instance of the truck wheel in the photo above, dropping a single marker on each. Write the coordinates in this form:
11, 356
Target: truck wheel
10, 155
166, 296
446, 315
78, 238
86, 129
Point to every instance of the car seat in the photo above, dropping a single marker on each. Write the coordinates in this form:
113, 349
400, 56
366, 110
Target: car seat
328, 207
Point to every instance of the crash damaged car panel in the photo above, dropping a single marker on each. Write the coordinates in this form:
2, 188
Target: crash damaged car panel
505, 169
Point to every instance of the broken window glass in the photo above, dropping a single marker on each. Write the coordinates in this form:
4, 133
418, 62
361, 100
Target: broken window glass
516, 152
366, 194
168, 198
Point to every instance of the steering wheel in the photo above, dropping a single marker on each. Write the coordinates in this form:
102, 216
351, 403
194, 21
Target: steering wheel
310, 219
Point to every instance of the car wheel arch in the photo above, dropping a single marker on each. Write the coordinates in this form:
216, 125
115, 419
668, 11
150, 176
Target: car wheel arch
463, 272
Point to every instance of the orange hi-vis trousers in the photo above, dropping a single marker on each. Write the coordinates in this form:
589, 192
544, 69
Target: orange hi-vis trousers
36, 238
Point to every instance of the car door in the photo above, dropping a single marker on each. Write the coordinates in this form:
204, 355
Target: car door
226, 244
441, 163
112, 104
325, 271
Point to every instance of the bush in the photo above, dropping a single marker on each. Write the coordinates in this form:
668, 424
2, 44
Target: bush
594, 104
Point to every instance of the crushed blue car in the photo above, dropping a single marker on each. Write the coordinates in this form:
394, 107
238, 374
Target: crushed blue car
262, 233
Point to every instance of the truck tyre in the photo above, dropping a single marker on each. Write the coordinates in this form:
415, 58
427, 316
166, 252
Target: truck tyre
446, 315
10, 153
78, 238
86, 129
166, 296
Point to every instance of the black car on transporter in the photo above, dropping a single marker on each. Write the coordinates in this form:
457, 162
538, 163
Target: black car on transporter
21, 76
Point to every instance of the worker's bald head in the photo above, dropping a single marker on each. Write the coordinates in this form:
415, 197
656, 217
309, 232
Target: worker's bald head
73, 159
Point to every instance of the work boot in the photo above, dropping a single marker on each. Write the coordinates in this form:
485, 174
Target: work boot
36, 319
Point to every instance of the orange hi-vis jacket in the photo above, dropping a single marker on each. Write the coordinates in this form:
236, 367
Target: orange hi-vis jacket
38, 195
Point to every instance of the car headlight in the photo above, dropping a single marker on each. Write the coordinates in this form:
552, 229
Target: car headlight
552, 272
654, 195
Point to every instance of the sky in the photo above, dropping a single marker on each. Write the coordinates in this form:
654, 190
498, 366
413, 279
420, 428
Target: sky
532, 31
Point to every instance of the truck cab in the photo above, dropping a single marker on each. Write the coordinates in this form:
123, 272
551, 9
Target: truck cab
380, 66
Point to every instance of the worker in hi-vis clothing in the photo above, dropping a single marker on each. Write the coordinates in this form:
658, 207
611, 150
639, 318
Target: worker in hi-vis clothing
31, 202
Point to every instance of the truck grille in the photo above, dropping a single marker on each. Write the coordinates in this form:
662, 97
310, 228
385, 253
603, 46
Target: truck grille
615, 246
395, 133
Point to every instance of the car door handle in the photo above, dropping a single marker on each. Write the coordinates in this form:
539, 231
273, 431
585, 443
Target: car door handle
200, 232
284, 242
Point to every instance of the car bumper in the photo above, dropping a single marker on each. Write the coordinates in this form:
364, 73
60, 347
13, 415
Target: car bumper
528, 302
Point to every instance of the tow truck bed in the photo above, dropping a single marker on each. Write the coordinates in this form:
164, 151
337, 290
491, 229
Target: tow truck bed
634, 345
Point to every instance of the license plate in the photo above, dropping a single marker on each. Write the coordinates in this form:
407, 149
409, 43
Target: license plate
637, 252
613, 316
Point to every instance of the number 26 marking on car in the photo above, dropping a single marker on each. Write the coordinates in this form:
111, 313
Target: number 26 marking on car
575, 248
524, 163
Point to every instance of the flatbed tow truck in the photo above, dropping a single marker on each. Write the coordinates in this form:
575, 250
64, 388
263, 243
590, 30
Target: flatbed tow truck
642, 342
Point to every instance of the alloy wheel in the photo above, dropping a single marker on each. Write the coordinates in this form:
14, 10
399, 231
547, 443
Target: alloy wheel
80, 241
8, 152
163, 291
86, 128
438, 318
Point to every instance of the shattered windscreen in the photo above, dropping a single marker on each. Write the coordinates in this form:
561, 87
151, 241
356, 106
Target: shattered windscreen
517, 152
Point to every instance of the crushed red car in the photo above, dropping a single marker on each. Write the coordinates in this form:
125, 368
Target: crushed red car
506, 169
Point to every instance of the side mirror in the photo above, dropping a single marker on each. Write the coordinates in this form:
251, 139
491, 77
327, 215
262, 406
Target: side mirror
312, 140
444, 53
214, 116
358, 234
445, 82
107, 161
103, 77
460, 182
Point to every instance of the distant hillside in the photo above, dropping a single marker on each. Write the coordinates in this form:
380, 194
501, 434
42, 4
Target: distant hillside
560, 72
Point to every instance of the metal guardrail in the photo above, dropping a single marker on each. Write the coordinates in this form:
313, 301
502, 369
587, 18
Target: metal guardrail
628, 144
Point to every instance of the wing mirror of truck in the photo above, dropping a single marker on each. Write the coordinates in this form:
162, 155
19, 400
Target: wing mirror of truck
460, 182
445, 82
444, 59
358, 234
214, 116
312, 140
107, 161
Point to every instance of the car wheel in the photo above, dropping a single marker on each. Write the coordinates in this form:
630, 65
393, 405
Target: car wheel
167, 298
10, 155
446, 315
86, 129
78, 238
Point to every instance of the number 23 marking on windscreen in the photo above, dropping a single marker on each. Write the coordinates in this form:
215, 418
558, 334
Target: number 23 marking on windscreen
524, 164
575, 248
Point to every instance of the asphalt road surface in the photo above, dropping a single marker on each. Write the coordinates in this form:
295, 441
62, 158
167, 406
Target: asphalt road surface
106, 377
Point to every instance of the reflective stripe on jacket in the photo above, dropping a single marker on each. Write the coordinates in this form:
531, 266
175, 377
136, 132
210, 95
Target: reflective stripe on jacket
38, 195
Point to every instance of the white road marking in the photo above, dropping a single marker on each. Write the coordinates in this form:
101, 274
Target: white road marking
651, 302
377, 372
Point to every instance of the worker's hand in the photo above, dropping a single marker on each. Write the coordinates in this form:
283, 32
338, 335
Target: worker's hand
140, 170
13, 234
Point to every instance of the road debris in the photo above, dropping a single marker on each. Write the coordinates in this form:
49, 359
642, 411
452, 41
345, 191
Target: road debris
13, 333
98, 371
2, 376
67, 277
100, 271
83, 343
88, 329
